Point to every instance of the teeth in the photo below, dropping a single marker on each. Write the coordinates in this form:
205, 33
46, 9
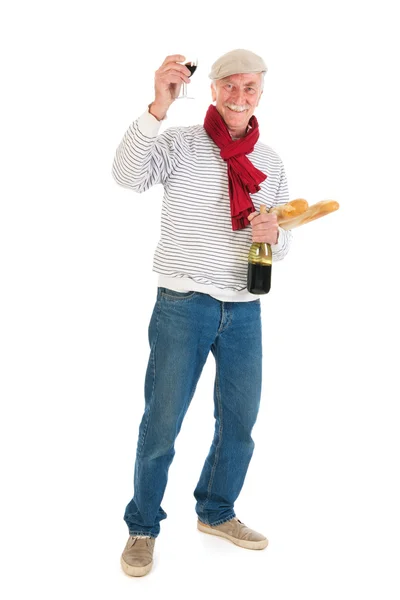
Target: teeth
236, 108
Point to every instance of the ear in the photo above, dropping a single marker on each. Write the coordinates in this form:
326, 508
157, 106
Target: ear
213, 93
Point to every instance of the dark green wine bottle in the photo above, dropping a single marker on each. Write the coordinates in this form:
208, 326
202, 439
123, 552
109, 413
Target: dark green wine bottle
259, 266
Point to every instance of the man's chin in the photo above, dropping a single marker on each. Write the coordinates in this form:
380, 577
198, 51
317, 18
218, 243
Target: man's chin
237, 119
234, 113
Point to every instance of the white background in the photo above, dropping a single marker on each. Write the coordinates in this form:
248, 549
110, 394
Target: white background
77, 291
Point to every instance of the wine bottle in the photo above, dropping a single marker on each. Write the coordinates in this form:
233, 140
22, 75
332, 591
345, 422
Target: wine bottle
259, 265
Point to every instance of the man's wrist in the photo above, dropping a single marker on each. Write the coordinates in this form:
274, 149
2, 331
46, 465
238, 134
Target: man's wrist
159, 112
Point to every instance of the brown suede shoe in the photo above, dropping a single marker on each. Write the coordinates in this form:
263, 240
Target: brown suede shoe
137, 557
235, 531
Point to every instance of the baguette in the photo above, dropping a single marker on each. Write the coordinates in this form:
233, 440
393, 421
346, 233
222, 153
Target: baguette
291, 209
315, 211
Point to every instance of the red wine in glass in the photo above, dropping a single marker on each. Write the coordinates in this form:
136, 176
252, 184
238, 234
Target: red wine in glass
192, 66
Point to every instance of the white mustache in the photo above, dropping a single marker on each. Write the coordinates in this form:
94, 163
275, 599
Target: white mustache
236, 107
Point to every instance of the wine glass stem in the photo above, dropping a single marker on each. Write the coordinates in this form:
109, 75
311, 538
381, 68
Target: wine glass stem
184, 89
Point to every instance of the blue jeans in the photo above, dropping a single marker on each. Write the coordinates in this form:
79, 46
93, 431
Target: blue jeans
184, 327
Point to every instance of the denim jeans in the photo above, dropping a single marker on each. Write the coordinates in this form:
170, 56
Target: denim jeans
184, 327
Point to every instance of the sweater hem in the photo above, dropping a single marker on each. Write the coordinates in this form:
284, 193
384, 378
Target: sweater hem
185, 284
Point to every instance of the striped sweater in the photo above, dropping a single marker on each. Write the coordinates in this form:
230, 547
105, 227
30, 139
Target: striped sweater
197, 250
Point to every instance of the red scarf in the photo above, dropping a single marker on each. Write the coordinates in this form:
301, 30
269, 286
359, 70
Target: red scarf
244, 178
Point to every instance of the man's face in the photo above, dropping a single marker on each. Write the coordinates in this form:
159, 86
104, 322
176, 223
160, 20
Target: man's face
237, 97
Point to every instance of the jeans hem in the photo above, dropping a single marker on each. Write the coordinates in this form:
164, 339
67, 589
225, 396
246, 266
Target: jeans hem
145, 533
220, 522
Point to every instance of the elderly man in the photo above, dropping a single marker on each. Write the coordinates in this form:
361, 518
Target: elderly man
215, 178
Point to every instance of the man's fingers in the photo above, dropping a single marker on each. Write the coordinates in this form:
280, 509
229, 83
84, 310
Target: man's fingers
174, 58
268, 218
177, 78
263, 218
261, 239
174, 67
264, 227
173, 73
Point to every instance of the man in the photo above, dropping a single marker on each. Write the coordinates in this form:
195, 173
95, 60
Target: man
210, 216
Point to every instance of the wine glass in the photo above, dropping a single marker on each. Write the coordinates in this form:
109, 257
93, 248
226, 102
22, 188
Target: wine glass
192, 66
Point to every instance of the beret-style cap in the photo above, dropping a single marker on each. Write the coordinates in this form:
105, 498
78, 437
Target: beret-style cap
237, 61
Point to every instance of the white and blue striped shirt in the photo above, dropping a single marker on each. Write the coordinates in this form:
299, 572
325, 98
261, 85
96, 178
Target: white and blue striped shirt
197, 250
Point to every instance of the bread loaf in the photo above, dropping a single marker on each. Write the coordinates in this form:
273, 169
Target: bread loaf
291, 209
315, 211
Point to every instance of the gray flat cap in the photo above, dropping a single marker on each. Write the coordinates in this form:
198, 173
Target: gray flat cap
237, 61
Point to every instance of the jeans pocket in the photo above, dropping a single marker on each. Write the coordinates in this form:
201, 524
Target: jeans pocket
173, 295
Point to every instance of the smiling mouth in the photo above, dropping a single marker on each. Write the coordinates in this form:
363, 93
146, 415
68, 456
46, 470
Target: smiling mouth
238, 112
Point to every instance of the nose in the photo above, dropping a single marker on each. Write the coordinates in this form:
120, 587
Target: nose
239, 97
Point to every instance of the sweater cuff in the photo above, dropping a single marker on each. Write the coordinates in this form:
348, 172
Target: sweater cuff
148, 125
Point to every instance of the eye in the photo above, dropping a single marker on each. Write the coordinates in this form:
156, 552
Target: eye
251, 90
229, 86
